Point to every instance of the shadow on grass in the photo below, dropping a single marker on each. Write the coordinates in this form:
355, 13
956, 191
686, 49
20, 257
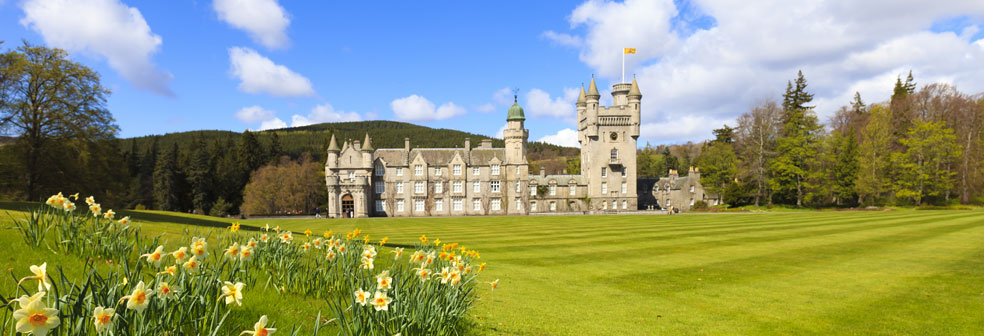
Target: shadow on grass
139, 216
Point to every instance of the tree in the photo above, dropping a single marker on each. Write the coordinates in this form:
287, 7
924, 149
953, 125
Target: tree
724, 135
757, 134
285, 186
276, 150
718, 166
873, 179
47, 99
924, 167
166, 181
845, 166
793, 168
200, 177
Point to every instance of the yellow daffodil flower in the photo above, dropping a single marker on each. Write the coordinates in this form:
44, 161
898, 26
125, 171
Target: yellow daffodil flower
264, 238
424, 274
125, 220
233, 251
266, 227
277, 229
170, 270
361, 297
380, 301
36, 318
233, 293
495, 284
88, 200
180, 254
96, 209
384, 241
307, 233
164, 291
192, 264
417, 256
41, 275
398, 252
286, 237
437, 241
356, 232
259, 328
367, 263
103, 318
330, 255
75, 196
109, 214
139, 299
327, 234
246, 254
481, 267
251, 243
69, 206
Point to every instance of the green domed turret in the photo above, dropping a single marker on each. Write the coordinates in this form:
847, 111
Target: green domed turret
516, 111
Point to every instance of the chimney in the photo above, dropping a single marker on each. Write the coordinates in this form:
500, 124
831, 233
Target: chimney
406, 144
543, 172
467, 143
357, 144
486, 143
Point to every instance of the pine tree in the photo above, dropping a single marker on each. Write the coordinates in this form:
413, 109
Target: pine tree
718, 166
200, 177
166, 182
794, 167
857, 105
845, 167
276, 150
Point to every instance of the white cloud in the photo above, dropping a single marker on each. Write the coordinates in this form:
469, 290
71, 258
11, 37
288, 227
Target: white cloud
503, 97
254, 114
563, 39
693, 83
321, 114
264, 20
274, 123
539, 103
417, 108
105, 28
565, 137
501, 133
258, 74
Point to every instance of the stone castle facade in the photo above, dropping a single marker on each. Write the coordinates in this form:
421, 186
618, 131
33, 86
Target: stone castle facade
364, 181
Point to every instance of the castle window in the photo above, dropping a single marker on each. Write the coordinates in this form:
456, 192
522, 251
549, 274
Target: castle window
691, 188
380, 170
517, 171
625, 187
691, 201
399, 171
571, 190
456, 187
623, 172
519, 205
476, 171
495, 169
477, 187
399, 205
380, 206
418, 187
439, 204
399, 187
553, 190
604, 172
456, 204
668, 202
553, 206
496, 204
494, 185
418, 205
614, 154
519, 187
418, 170
533, 206
476, 204
351, 175
604, 187
437, 171
380, 187
456, 169
625, 204
438, 187
532, 190
604, 205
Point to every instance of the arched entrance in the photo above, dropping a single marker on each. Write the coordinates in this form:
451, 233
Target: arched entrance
348, 206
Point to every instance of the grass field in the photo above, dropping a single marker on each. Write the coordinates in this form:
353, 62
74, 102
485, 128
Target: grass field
892, 272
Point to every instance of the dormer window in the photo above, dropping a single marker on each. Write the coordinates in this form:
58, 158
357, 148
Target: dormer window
495, 169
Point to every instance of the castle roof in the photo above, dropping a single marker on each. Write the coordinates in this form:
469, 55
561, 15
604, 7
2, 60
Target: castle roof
580, 97
515, 111
593, 89
367, 143
440, 156
333, 145
634, 91
560, 179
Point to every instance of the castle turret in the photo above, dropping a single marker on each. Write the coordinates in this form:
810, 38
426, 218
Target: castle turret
515, 164
333, 150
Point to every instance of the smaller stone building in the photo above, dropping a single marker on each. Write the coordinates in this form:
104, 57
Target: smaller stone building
681, 192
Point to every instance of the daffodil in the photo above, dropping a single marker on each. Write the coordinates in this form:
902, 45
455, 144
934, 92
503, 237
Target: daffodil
341, 248
88, 200
36, 318
481, 267
277, 229
437, 242
233, 251
246, 254
234, 227
398, 252
103, 318
356, 232
198, 242
417, 256
423, 273
266, 227
365, 239
41, 275
327, 234
139, 299
369, 252
75, 196
307, 233
286, 237
251, 243
233, 293
362, 297
170, 270
317, 243
445, 275
164, 291
125, 220
180, 254
306, 247
384, 281
264, 238
455, 278
380, 301
69, 206
367, 263
156, 256
423, 239
384, 241
96, 209
495, 284
429, 259
109, 214
192, 264
348, 236
25, 300
330, 255
259, 328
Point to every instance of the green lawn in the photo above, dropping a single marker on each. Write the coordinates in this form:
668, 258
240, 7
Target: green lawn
892, 272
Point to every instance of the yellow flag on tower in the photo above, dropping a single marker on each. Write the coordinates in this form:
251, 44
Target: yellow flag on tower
628, 51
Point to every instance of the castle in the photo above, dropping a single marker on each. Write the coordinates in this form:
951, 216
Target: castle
363, 181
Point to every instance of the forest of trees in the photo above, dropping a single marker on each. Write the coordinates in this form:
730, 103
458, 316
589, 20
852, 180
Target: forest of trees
920, 147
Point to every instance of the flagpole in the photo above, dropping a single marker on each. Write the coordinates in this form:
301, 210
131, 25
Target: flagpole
623, 66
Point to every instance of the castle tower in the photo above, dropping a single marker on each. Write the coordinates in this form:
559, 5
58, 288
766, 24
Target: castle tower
347, 176
608, 146
515, 164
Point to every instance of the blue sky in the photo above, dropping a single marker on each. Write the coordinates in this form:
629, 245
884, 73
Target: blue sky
238, 64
